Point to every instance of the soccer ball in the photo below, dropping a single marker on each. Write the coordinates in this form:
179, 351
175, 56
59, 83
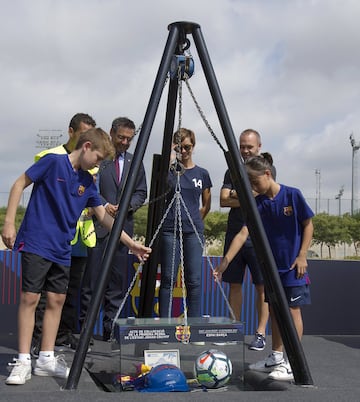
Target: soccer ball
212, 368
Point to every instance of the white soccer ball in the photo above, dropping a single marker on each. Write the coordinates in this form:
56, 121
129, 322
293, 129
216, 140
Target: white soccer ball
212, 368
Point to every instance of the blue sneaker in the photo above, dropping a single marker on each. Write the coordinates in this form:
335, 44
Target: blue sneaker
258, 343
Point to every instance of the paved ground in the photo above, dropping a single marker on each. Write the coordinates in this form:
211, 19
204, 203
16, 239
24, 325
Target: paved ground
334, 363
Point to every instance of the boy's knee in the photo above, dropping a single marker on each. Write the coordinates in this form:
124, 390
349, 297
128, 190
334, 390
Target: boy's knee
29, 298
55, 300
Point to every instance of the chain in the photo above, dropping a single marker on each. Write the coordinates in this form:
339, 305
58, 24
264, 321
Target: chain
178, 159
178, 199
161, 196
180, 101
173, 258
181, 244
132, 283
208, 259
231, 311
139, 269
202, 115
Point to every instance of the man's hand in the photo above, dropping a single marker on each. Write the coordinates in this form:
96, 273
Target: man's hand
111, 209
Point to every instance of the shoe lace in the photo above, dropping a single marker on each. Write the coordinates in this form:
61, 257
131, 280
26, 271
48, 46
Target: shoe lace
258, 339
60, 360
17, 366
16, 362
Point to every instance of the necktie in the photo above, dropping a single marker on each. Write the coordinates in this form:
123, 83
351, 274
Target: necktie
117, 168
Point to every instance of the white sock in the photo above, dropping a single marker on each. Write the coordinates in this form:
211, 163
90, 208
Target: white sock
25, 357
45, 355
278, 356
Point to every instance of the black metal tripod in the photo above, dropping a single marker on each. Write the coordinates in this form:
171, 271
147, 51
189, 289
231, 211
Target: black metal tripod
176, 42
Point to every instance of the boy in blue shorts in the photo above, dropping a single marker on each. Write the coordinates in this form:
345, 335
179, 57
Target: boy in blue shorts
62, 188
287, 221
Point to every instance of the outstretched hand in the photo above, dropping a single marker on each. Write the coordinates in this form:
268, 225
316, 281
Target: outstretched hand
141, 252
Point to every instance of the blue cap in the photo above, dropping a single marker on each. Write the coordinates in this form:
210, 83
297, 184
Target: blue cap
163, 378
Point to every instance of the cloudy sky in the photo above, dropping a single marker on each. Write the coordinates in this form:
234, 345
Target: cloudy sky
288, 68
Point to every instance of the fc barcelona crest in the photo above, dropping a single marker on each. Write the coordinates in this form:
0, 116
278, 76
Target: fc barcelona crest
288, 211
81, 189
182, 333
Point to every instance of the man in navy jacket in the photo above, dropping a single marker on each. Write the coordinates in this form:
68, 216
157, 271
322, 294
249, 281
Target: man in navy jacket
110, 181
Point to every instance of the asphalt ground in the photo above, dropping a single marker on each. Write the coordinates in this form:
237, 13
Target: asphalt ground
334, 363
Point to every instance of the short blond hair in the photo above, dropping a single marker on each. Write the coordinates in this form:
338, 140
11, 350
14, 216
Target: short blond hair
100, 141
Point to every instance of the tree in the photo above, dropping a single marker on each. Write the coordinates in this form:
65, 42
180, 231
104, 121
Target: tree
140, 221
352, 224
215, 225
329, 231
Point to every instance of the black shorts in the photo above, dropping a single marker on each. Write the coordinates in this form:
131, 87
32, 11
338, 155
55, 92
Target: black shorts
40, 274
246, 257
296, 296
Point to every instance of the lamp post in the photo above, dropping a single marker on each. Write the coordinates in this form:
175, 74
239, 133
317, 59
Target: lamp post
338, 197
355, 147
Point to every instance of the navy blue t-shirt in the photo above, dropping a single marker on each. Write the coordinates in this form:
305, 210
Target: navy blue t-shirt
282, 218
59, 195
192, 183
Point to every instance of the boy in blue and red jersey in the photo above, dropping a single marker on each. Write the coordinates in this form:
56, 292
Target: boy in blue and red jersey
62, 188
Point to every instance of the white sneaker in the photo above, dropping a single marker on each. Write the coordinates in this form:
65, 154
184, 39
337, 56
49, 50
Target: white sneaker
55, 367
282, 372
267, 365
20, 373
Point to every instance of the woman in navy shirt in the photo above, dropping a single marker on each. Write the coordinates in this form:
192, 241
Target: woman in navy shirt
192, 183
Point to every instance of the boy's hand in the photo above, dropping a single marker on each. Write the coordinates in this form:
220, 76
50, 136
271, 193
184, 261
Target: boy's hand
9, 234
141, 252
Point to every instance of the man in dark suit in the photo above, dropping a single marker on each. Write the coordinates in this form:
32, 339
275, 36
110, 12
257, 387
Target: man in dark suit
110, 181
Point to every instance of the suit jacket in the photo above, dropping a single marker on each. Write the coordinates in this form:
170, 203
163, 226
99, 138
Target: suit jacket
110, 190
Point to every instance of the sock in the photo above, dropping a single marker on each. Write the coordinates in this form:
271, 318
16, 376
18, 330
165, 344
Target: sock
278, 356
25, 357
45, 355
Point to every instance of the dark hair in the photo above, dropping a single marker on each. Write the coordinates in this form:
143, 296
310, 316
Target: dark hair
81, 118
256, 165
267, 156
122, 122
